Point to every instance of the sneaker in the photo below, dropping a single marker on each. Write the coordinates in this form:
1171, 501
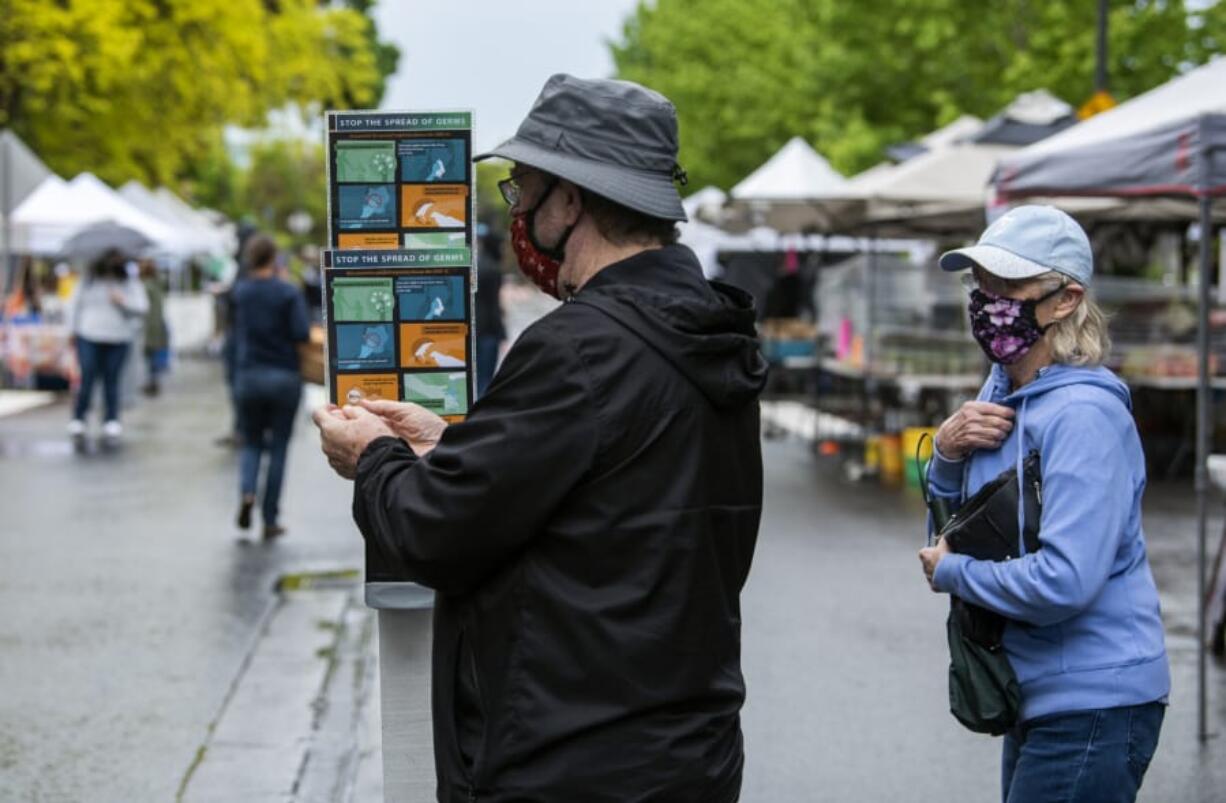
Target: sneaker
273, 531
76, 428
112, 430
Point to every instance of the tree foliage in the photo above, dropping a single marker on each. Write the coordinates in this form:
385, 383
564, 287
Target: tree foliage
855, 77
143, 88
286, 176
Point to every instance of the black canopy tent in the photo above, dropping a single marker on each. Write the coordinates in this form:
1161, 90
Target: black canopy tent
1167, 143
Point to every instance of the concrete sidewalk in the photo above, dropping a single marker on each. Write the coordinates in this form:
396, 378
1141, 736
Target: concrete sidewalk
301, 720
13, 402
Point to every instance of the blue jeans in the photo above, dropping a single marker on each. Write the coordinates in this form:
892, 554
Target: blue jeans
267, 403
99, 359
1098, 756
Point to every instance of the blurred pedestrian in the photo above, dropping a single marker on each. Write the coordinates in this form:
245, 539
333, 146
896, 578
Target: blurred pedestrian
270, 320
229, 343
491, 330
1083, 629
589, 527
103, 318
157, 335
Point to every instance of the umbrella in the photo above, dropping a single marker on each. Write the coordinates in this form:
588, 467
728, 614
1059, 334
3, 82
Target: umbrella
92, 241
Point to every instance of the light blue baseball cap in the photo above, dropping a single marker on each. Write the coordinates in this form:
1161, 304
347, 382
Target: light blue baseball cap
1026, 242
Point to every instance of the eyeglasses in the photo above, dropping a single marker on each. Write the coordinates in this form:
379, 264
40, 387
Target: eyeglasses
510, 189
1000, 287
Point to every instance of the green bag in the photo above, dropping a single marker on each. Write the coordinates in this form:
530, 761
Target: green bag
984, 694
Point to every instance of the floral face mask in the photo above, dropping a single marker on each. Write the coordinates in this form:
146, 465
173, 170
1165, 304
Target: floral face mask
1006, 328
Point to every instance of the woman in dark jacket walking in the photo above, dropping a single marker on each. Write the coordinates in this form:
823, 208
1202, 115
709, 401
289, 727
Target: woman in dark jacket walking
270, 320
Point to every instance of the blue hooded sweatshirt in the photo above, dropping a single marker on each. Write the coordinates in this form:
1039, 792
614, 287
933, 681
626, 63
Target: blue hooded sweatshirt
1085, 631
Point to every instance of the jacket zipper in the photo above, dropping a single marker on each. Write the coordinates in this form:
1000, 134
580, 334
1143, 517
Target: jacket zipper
472, 671
472, 668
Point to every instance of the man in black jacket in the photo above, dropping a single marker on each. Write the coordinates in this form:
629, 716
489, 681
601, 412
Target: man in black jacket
590, 526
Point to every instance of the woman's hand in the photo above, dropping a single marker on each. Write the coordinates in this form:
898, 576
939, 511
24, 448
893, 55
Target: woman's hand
930, 557
412, 423
975, 425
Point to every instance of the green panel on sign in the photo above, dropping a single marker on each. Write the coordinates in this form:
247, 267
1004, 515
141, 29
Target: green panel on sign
366, 160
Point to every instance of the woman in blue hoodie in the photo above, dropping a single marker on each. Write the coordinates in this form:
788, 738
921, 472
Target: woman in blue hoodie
1084, 633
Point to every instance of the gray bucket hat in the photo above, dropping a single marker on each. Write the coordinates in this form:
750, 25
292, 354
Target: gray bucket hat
614, 138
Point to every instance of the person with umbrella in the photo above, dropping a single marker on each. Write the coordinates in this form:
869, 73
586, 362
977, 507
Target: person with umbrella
103, 318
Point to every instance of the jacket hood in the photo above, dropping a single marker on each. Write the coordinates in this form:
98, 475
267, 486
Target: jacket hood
1059, 376
704, 329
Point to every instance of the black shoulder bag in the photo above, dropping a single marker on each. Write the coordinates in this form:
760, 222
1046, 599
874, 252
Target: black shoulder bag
983, 690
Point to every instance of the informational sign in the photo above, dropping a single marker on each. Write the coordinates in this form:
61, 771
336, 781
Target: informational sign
398, 280
400, 327
400, 180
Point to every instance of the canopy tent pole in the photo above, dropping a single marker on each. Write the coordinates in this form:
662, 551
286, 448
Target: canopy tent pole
6, 213
870, 325
1203, 426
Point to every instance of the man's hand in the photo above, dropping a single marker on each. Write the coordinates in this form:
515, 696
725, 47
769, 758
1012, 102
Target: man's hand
930, 557
344, 435
975, 425
412, 423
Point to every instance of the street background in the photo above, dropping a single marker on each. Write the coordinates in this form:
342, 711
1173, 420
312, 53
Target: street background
150, 651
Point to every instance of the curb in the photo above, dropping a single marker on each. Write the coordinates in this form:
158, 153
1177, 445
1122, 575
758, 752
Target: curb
295, 723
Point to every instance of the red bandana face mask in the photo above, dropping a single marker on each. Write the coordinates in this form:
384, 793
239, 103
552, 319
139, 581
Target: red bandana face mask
539, 268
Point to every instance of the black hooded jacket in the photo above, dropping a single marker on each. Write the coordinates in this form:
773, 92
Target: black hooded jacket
589, 529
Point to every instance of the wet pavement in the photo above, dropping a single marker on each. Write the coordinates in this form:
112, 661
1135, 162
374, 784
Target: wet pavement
131, 609
845, 656
129, 602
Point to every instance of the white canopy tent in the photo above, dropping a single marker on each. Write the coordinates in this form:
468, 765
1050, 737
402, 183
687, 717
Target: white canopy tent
194, 236
114, 207
49, 216
943, 190
20, 174
1167, 143
57, 210
708, 240
224, 239
779, 193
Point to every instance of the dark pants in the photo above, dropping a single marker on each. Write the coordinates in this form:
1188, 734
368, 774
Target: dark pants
229, 359
267, 403
103, 360
1098, 756
487, 361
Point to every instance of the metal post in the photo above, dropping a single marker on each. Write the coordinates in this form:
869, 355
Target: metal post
870, 326
6, 211
1203, 426
1100, 65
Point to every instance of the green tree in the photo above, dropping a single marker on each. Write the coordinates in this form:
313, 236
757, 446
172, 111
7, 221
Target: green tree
854, 77
491, 208
143, 88
287, 176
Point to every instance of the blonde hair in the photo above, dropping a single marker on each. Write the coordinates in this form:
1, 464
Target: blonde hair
1081, 338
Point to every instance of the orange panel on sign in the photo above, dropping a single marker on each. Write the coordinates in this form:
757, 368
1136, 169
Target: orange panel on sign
369, 240
433, 345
